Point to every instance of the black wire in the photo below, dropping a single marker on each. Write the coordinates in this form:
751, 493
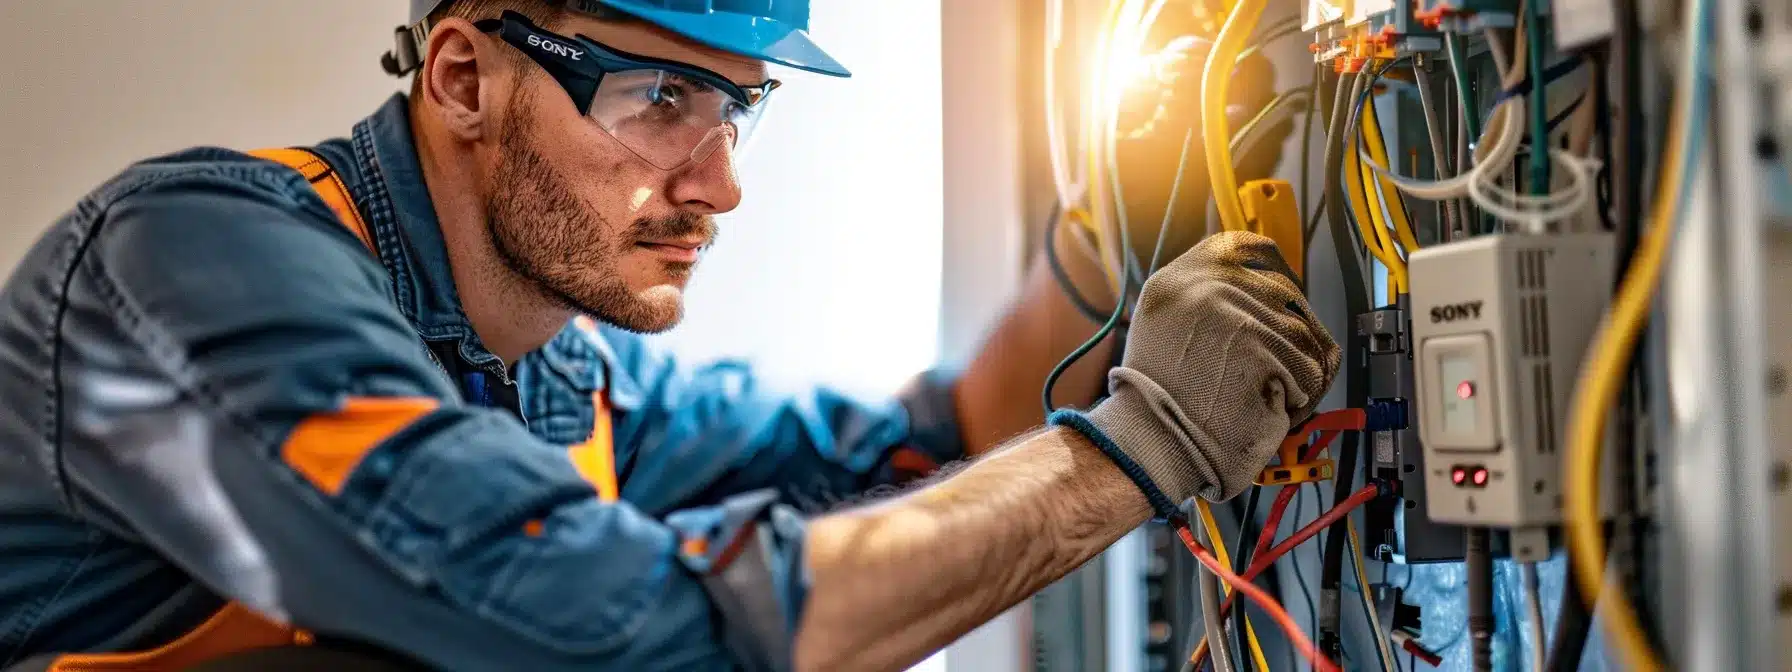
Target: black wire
1052, 259
1356, 300
1300, 575
1480, 597
1573, 621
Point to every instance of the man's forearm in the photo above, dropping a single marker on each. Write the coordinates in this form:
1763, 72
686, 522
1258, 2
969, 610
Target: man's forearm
895, 581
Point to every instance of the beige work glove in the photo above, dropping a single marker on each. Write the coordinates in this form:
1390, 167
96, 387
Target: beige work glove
1223, 359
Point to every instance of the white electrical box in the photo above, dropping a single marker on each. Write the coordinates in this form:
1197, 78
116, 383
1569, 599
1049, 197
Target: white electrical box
1500, 325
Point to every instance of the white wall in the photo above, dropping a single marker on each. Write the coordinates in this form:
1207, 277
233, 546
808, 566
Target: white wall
831, 266
92, 86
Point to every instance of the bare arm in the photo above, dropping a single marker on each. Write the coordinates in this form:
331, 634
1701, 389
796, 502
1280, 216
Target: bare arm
896, 581
997, 397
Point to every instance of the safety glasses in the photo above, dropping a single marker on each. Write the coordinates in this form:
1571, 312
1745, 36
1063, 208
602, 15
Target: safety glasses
668, 113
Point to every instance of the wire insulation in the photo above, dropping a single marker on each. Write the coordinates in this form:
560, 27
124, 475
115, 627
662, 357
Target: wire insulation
1216, 80
1211, 620
1608, 359
1218, 542
1367, 593
1533, 603
1269, 605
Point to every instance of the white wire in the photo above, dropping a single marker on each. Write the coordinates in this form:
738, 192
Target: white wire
1381, 636
1509, 122
1534, 604
1067, 188
1537, 212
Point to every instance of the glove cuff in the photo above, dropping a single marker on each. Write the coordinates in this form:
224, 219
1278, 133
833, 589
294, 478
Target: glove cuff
1147, 424
1074, 419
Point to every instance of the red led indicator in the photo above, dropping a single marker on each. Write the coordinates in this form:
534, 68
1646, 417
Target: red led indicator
1458, 475
1465, 389
1480, 477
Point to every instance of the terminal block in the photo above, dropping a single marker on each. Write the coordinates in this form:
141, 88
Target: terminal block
1466, 17
1399, 529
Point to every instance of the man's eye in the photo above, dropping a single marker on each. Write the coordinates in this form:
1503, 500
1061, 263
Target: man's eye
665, 94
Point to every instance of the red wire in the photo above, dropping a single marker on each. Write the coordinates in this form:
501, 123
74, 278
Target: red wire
1359, 498
1269, 604
1263, 560
1273, 521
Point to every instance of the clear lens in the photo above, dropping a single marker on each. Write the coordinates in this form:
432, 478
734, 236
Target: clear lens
669, 119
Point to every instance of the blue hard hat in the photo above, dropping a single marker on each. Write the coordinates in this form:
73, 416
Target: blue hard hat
775, 31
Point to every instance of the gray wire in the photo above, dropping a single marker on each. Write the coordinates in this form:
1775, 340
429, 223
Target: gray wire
1440, 156
1275, 32
1533, 603
1221, 654
1245, 132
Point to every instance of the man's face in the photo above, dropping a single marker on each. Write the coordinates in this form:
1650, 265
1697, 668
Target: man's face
592, 224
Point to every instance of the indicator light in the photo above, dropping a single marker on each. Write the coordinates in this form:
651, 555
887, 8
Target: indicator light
1480, 477
1465, 389
1458, 475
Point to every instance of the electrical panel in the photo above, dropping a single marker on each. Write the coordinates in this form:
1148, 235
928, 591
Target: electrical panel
1500, 325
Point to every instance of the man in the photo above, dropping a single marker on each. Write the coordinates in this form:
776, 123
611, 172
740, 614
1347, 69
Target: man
239, 412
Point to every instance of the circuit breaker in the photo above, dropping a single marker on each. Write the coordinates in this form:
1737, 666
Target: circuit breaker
1399, 529
1501, 324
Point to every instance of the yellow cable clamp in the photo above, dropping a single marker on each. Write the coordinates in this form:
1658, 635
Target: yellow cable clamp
1270, 211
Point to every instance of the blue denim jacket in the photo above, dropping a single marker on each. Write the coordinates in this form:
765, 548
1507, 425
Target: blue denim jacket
163, 339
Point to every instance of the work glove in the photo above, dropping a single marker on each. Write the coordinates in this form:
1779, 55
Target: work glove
1223, 359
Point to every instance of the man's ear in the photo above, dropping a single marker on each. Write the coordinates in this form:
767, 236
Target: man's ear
461, 77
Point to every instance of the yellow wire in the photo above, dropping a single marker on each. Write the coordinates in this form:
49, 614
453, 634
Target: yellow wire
1219, 553
1396, 203
1362, 584
1355, 195
1390, 254
1601, 376
1216, 80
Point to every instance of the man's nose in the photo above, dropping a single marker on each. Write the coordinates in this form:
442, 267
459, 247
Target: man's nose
710, 186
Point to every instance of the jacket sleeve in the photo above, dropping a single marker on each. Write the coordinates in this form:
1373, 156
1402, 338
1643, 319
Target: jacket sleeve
241, 396
713, 431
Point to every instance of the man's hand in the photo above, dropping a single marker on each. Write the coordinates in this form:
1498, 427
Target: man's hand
1224, 357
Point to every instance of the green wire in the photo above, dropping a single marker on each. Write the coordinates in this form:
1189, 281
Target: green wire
1470, 111
1539, 107
1051, 380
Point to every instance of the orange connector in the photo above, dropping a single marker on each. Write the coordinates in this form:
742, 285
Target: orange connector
1299, 463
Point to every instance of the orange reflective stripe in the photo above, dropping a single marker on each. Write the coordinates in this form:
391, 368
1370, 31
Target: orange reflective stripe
595, 459
328, 185
234, 629
325, 447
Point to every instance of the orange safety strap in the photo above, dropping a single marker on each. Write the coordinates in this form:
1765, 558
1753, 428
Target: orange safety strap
328, 185
595, 459
234, 629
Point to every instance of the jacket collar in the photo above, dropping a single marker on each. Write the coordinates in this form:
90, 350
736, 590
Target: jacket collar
385, 178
